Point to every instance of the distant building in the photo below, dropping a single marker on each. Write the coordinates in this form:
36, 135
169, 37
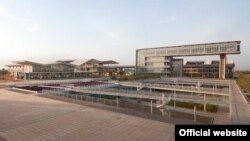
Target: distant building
109, 70
206, 70
88, 65
161, 59
62, 69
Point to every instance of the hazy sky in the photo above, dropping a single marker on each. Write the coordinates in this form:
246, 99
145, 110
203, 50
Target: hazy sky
48, 30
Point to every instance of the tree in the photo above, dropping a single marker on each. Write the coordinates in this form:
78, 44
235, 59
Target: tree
3, 72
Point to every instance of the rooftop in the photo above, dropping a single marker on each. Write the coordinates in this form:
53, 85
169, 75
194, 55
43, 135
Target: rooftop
238, 42
26, 62
76, 62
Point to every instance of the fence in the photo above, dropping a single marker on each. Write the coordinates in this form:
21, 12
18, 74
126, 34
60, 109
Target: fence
119, 103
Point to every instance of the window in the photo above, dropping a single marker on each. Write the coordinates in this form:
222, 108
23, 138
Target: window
238, 47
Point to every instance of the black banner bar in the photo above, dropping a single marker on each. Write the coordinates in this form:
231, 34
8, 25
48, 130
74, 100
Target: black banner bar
199, 132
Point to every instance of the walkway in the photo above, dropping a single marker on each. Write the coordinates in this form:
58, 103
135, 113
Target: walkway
179, 88
146, 95
240, 110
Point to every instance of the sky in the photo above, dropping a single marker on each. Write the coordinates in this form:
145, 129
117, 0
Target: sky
48, 30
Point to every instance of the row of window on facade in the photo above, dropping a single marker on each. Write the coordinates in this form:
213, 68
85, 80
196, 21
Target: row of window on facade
188, 50
212, 70
151, 64
54, 68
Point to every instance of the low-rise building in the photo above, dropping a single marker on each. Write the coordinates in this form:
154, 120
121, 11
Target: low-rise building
204, 69
61, 69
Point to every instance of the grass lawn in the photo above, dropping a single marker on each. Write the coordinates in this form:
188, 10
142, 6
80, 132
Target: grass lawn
209, 107
243, 80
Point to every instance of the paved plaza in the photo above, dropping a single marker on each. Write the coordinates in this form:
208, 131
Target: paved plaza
26, 117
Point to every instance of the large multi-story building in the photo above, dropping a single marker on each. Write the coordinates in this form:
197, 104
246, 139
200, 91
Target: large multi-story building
204, 69
160, 59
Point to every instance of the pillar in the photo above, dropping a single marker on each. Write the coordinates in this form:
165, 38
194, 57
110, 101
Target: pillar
222, 66
163, 104
151, 107
174, 98
194, 113
205, 105
117, 102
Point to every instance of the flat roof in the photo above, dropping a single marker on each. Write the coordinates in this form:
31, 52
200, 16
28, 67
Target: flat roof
238, 42
205, 49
